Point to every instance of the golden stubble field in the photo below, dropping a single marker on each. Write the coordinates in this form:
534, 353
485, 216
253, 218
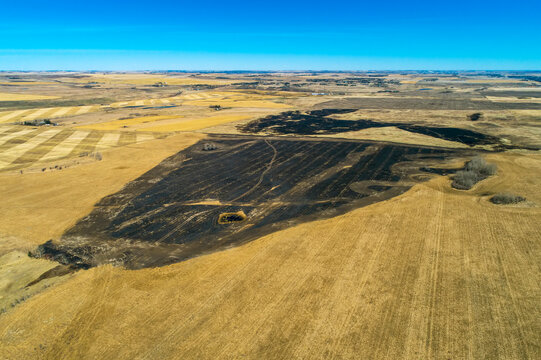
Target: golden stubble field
38, 206
462, 282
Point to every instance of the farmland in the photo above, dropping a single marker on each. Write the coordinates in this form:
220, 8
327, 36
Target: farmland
268, 215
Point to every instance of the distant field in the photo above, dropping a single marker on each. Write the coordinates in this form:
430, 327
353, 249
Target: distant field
119, 124
137, 79
24, 97
45, 113
21, 147
234, 99
27, 83
197, 124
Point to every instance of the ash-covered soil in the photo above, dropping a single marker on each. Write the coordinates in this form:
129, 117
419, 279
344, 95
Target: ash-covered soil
172, 212
321, 122
443, 103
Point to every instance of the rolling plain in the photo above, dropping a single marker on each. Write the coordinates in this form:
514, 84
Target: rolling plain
294, 215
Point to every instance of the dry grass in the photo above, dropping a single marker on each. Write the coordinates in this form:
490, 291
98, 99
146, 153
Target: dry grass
393, 134
27, 83
50, 202
435, 291
197, 124
146, 79
238, 103
129, 123
24, 97
236, 99
16, 271
45, 113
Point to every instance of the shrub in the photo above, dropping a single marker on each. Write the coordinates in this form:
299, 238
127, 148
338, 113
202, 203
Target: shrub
506, 198
475, 116
464, 180
474, 171
480, 166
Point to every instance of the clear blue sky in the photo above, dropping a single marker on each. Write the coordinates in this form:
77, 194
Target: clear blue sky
270, 35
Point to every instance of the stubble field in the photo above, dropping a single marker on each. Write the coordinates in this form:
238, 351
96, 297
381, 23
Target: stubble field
342, 238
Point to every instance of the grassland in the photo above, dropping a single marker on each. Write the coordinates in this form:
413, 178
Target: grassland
46, 199
127, 123
435, 291
146, 79
23, 147
24, 97
198, 124
428, 272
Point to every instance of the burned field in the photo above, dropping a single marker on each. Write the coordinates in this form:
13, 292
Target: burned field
442, 103
199, 201
318, 122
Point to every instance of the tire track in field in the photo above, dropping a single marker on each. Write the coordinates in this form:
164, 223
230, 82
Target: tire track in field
518, 319
168, 338
220, 207
86, 317
35, 155
434, 273
338, 291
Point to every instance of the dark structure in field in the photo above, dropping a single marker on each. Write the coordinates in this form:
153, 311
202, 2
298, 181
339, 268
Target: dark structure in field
172, 212
321, 122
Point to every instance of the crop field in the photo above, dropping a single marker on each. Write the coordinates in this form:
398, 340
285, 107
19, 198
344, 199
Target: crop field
197, 124
290, 215
23, 147
129, 79
45, 113
24, 97
128, 123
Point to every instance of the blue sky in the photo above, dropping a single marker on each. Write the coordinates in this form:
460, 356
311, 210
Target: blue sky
273, 35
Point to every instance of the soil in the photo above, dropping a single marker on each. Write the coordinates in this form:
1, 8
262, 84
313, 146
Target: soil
426, 104
165, 216
318, 122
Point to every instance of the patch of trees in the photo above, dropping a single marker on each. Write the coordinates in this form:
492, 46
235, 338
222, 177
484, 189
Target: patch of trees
506, 199
38, 123
474, 171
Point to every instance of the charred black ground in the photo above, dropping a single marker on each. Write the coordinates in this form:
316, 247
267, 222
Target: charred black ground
171, 213
321, 122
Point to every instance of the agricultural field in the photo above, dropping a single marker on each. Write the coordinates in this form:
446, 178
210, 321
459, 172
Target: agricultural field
270, 215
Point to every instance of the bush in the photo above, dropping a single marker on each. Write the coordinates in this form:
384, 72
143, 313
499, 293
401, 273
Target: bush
475, 170
475, 116
464, 180
480, 166
506, 198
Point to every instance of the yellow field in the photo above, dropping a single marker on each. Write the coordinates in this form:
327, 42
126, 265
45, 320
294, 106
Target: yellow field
463, 282
24, 97
233, 99
21, 147
224, 99
513, 99
197, 124
45, 113
16, 271
52, 201
147, 79
393, 134
119, 124
26, 83
238, 103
